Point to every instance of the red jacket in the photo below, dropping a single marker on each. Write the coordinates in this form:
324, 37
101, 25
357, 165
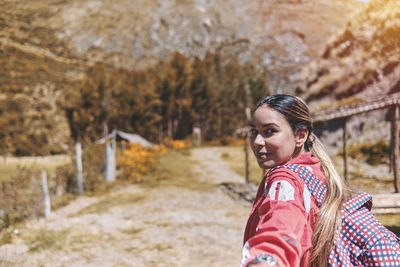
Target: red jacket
280, 225
283, 214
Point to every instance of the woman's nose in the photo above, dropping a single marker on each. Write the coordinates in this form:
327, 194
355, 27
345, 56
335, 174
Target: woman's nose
259, 140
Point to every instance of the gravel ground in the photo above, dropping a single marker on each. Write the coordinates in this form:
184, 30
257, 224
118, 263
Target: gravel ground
165, 226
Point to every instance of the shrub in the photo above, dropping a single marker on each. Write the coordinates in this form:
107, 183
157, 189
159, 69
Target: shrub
170, 144
136, 160
374, 153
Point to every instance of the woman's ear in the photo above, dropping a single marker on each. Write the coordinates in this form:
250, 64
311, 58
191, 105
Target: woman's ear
301, 137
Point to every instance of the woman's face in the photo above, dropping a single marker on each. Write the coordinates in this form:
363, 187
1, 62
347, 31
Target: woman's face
272, 139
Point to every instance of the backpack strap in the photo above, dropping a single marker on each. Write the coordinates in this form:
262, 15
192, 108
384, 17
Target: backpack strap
314, 185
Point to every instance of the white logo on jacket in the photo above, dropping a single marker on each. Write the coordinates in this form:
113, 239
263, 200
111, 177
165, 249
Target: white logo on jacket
281, 190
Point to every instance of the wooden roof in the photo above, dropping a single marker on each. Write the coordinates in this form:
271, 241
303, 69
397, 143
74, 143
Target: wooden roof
356, 108
131, 138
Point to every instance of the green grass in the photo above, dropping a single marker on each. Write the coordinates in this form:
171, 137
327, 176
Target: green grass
235, 157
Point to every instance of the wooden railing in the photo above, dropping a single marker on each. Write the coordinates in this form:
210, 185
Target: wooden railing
356, 108
346, 111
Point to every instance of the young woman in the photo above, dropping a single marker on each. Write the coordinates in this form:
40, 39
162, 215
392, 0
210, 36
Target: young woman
304, 214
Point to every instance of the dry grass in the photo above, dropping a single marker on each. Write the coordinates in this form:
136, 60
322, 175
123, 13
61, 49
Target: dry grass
21, 188
175, 169
35, 164
362, 176
110, 202
235, 157
132, 231
38, 239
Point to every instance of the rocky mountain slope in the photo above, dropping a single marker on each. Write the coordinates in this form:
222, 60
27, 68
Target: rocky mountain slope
279, 35
359, 64
46, 45
362, 62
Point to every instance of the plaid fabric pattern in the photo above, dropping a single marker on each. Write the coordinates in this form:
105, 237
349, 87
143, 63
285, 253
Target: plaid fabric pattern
362, 240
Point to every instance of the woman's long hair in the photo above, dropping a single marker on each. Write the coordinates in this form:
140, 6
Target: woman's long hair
328, 221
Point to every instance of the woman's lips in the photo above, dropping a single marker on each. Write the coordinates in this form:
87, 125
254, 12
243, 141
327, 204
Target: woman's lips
263, 155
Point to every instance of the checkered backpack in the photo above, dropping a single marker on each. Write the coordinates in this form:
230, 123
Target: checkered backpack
361, 240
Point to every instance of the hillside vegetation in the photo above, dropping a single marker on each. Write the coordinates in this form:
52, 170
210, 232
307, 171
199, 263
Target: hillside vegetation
156, 68
362, 61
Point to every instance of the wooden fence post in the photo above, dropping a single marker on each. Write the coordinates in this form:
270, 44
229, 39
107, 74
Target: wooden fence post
113, 154
395, 147
196, 136
79, 176
123, 145
160, 134
345, 148
110, 163
247, 112
246, 150
46, 199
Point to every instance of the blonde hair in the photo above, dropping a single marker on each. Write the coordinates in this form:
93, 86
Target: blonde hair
329, 215
328, 220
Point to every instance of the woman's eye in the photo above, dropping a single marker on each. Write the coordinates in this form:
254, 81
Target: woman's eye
266, 132
253, 132
269, 131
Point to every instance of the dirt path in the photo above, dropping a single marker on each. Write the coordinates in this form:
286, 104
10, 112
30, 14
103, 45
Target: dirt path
166, 226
